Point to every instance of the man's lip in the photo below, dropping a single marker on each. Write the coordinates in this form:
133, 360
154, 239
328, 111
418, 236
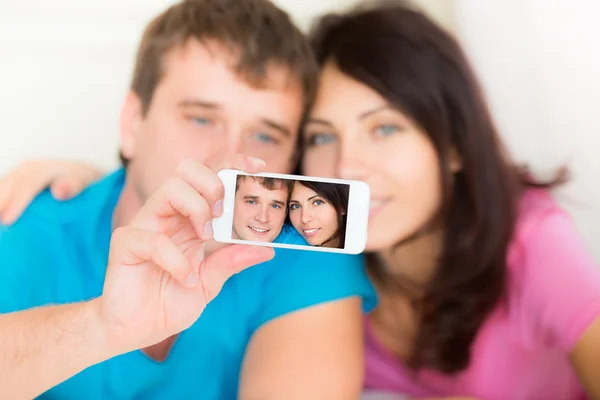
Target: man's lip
258, 231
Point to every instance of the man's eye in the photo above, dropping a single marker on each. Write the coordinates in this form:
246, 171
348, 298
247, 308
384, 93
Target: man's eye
251, 201
201, 121
264, 138
276, 206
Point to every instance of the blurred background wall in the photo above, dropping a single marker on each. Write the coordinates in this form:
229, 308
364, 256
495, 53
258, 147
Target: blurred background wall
65, 66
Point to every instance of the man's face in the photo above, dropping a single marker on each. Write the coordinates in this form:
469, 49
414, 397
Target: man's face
259, 213
202, 109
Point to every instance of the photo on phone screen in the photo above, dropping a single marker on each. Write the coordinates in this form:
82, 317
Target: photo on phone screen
281, 210
265, 207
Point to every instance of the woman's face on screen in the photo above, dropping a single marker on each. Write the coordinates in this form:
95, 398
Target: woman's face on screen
313, 217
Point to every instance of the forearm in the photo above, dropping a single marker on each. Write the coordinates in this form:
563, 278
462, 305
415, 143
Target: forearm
313, 353
42, 347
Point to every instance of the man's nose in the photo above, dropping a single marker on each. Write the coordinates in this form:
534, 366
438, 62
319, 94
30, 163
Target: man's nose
225, 148
263, 215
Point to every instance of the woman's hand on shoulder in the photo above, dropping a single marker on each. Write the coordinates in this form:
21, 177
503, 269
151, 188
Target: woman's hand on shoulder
22, 184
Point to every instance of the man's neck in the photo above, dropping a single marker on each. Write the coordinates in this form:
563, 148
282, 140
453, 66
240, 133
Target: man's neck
128, 205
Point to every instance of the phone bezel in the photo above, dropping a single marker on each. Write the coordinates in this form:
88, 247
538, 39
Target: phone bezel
356, 225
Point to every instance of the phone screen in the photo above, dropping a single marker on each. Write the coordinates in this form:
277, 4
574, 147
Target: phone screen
290, 211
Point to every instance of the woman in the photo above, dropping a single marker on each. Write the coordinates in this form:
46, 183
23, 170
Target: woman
485, 287
318, 212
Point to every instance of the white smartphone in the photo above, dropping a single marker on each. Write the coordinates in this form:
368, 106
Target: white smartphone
293, 212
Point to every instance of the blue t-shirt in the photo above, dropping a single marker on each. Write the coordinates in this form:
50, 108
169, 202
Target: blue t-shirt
289, 235
57, 253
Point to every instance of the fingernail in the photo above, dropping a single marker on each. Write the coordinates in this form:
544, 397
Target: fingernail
208, 230
256, 162
192, 279
60, 193
218, 208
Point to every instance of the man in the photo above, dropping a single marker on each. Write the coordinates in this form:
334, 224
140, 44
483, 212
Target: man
260, 208
213, 78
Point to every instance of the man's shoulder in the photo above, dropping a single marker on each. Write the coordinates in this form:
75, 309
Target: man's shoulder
43, 253
41, 217
46, 221
46, 213
299, 279
289, 235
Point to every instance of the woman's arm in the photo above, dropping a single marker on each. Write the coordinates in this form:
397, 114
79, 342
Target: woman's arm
21, 185
586, 360
561, 294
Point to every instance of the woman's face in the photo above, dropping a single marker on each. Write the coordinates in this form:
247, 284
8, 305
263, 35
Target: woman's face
354, 133
313, 217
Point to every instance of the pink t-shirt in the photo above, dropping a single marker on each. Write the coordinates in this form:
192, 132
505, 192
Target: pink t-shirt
522, 350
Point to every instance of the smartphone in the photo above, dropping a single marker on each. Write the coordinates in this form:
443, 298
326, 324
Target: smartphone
293, 212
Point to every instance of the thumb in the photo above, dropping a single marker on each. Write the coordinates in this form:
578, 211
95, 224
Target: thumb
66, 187
228, 261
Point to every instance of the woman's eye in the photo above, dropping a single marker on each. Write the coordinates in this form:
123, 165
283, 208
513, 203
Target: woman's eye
386, 130
320, 139
318, 202
294, 207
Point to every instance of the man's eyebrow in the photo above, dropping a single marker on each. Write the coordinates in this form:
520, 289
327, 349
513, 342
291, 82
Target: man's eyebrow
277, 126
199, 103
251, 197
279, 202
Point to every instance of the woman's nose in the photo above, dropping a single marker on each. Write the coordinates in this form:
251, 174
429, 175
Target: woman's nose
306, 217
351, 162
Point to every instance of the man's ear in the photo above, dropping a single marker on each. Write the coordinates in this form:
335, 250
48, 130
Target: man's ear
129, 124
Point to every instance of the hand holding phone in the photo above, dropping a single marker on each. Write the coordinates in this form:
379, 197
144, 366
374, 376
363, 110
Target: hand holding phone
294, 212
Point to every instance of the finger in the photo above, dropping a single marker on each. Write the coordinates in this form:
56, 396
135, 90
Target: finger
205, 182
67, 187
228, 261
132, 246
6, 189
176, 197
20, 199
241, 162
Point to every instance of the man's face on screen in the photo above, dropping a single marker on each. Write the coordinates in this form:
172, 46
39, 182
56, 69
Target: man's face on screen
259, 211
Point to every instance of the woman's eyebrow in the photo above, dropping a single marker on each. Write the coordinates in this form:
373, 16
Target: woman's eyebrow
375, 110
319, 121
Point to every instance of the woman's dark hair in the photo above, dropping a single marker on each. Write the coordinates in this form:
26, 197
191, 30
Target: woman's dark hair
337, 196
417, 66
